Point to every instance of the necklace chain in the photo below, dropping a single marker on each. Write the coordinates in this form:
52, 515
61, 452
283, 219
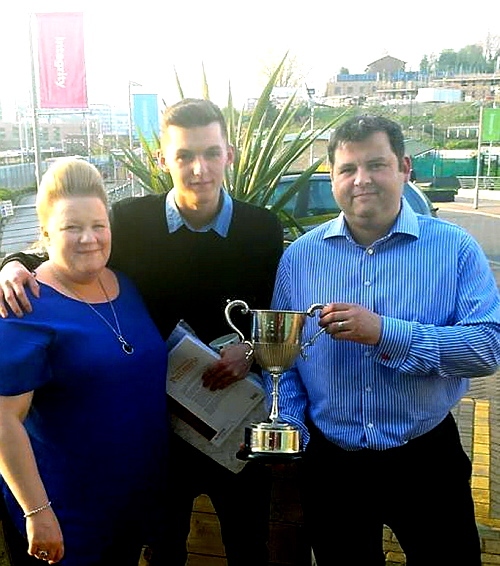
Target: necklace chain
126, 346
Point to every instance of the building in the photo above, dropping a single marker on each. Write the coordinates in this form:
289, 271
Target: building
387, 66
484, 86
386, 80
383, 79
447, 95
60, 129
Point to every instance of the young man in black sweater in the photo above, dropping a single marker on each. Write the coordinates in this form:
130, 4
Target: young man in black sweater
189, 252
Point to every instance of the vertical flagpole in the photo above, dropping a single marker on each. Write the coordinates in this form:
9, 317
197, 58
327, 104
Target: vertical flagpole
478, 165
87, 126
130, 135
34, 105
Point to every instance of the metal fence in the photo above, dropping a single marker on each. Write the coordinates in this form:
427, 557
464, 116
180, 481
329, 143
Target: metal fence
122, 191
19, 176
22, 175
488, 183
433, 164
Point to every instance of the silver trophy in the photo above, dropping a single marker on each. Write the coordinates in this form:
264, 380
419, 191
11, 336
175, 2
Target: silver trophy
276, 343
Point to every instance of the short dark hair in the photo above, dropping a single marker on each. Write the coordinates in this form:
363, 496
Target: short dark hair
359, 128
192, 113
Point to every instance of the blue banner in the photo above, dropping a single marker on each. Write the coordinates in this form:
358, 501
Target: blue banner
145, 115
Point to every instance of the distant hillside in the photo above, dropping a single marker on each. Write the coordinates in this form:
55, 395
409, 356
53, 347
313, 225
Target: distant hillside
424, 121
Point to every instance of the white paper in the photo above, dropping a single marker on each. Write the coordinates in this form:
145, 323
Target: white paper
226, 412
226, 453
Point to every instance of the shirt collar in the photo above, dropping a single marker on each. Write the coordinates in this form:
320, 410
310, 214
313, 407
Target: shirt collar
220, 224
406, 223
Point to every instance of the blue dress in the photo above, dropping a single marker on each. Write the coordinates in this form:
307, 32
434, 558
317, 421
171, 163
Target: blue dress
98, 420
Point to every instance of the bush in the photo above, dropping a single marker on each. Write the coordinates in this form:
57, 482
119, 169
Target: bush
5, 194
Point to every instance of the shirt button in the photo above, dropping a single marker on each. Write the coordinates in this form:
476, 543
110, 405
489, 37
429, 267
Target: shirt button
368, 353
368, 283
370, 425
368, 389
370, 251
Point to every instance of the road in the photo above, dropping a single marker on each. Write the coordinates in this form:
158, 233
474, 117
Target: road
484, 228
21, 230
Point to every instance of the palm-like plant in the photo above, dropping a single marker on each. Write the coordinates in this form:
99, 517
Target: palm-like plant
262, 156
145, 167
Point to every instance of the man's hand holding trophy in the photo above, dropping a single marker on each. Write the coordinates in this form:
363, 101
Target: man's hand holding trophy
276, 341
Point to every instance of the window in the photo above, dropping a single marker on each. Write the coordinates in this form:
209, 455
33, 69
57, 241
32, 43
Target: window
321, 199
280, 190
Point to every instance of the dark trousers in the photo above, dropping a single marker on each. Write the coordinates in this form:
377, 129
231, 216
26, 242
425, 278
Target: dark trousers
242, 502
420, 490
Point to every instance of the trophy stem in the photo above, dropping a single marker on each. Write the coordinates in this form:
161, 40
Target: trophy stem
273, 416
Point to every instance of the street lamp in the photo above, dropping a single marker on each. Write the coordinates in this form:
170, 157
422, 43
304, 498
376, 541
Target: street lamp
130, 121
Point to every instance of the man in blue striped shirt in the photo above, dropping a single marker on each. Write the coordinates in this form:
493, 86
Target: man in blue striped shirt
412, 312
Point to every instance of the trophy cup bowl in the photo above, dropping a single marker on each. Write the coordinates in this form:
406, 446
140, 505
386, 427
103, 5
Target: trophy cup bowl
276, 343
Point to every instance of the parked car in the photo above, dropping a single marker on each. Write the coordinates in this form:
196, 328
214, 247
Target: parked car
316, 197
314, 202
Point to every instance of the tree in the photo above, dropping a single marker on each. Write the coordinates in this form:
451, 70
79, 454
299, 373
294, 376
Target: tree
447, 61
344, 71
425, 65
290, 73
492, 52
470, 59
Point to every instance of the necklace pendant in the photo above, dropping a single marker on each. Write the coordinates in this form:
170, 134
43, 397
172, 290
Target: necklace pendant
127, 348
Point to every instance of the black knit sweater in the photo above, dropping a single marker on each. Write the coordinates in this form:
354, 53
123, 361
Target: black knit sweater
191, 275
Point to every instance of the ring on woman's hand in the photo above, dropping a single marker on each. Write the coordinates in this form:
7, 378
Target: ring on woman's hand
340, 324
42, 554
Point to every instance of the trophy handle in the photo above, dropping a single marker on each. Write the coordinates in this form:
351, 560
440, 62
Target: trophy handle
310, 312
244, 309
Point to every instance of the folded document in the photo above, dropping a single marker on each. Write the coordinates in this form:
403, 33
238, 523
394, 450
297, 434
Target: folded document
212, 421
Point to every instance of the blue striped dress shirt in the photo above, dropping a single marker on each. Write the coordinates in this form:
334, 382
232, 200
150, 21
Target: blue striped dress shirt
440, 306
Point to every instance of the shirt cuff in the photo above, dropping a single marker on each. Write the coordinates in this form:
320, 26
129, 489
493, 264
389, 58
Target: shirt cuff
394, 343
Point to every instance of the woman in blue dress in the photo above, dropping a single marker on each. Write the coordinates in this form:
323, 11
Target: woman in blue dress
83, 423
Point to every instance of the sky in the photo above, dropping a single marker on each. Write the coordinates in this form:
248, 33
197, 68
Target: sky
236, 41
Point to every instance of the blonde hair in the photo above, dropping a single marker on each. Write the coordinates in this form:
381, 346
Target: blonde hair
68, 177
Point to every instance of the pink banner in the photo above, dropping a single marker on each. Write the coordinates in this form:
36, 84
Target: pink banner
61, 60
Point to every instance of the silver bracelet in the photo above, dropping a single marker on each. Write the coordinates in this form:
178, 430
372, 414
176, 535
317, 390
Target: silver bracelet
37, 510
